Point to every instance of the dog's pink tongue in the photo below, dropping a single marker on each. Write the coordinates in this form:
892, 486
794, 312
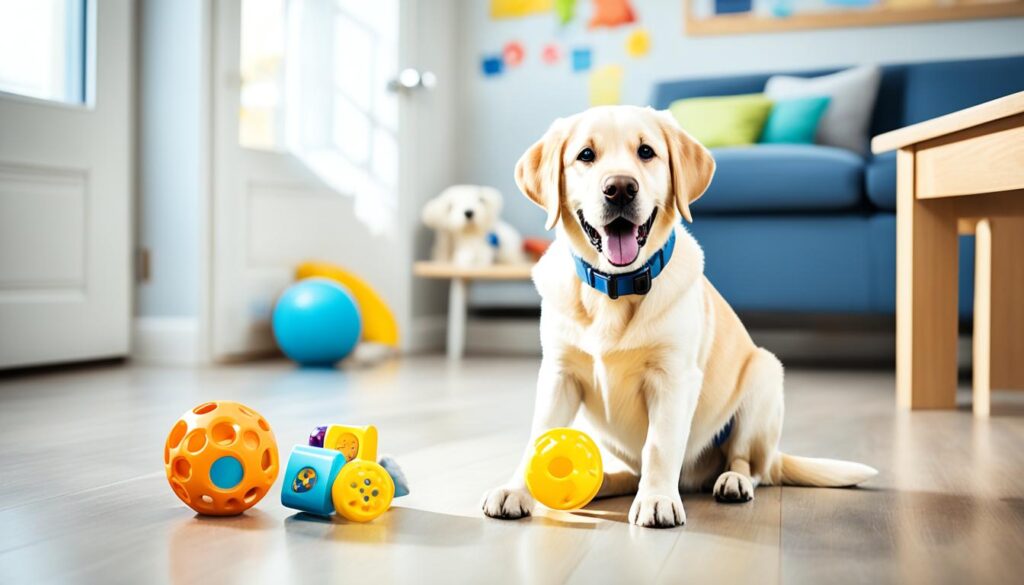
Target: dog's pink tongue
621, 247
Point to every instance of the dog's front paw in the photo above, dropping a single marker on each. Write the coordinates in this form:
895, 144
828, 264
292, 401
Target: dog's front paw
657, 511
733, 488
507, 503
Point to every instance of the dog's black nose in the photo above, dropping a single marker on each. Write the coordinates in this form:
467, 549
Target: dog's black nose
620, 189
469, 214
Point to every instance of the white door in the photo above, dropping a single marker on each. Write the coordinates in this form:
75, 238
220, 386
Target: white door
65, 176
306, 154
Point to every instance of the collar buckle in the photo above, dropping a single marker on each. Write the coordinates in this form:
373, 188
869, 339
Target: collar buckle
642, 281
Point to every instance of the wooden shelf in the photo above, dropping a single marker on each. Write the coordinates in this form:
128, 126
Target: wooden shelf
496, 272
733, 24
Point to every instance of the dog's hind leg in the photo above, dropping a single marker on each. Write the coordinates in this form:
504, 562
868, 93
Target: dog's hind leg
755, 437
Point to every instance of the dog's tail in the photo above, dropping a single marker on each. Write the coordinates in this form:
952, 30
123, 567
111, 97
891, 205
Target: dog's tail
815, 472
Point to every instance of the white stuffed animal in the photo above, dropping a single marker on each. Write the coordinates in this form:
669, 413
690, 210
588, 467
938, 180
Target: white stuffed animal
469, 231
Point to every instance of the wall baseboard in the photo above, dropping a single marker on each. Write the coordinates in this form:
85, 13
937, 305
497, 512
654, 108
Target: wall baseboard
168, 341
799, 346
427, 334
520, 337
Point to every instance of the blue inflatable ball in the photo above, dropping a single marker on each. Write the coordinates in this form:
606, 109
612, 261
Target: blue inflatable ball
317, 322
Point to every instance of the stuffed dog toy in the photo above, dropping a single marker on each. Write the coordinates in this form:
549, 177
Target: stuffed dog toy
468, 230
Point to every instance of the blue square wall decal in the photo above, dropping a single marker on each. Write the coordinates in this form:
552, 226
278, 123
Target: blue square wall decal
492, 65
581, 59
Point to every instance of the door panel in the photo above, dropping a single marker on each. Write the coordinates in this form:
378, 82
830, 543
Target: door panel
305, 156
65, 172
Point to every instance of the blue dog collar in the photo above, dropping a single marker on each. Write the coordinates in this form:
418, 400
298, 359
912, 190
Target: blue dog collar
637, 282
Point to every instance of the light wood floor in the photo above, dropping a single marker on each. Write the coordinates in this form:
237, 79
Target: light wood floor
83, 496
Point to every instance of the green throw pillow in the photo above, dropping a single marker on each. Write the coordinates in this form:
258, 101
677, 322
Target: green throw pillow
794, 121
731, 120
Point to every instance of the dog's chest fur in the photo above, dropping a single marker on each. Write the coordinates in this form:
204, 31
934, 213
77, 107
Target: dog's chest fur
609, 346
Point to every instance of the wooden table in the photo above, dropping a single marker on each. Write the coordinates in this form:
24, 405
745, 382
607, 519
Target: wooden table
460, 278
964, 170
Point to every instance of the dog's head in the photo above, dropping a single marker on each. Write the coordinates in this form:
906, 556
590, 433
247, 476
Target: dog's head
615, 176
463, 208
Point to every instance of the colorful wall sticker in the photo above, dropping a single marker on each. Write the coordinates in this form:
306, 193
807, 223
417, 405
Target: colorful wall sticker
492, 65
606, 85
581, 59
519, 8
565, 10
612, 13
513, 53
550, 54
638, 43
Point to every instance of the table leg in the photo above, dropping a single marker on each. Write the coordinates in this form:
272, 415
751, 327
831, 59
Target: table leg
1007, 306
926, 295
457, 308
981, 340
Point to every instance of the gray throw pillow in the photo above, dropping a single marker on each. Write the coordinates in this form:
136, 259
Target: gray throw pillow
848, 116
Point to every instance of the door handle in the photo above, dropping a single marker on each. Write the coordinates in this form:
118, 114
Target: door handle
409, 80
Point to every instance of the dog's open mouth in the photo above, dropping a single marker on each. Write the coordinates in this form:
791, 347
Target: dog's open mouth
620, 241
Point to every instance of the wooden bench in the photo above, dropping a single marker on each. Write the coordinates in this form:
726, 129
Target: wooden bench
460, 279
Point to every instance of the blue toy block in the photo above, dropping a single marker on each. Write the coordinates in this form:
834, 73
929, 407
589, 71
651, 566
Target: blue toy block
309, 477
397, 476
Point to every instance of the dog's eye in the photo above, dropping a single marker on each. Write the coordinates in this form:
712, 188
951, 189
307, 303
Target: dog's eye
586, 155
645, 152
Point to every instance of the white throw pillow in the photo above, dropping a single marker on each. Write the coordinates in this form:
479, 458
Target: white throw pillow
853, 91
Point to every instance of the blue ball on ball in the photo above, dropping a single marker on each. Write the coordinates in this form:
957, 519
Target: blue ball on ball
317, 322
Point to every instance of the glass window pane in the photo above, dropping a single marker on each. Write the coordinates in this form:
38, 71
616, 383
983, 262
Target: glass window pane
262, 67
42, 49
351, 131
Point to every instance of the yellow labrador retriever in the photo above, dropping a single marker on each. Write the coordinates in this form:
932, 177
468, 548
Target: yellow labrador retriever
635, 335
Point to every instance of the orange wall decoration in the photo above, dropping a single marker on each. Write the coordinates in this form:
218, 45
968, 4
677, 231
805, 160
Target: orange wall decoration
612, 13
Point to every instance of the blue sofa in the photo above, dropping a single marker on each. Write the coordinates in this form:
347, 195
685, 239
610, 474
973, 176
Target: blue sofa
812, 229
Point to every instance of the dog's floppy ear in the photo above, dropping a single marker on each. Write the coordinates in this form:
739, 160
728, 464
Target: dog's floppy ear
435, 210
539, 171
691, 165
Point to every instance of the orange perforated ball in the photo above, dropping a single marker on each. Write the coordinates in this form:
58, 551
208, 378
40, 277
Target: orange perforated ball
221, 458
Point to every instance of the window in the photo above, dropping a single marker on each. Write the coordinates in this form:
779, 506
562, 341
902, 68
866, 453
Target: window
314, 77
261, 116
43, 49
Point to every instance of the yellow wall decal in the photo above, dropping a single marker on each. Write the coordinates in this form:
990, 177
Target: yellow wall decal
606, 85
638, 43
519, 8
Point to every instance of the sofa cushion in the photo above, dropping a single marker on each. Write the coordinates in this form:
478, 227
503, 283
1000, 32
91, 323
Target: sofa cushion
880, 181
730, 120
793, 263
935, 89
848, 116
783, 177
794, 121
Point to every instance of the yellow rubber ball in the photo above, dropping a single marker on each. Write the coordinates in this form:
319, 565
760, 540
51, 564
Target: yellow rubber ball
565, 471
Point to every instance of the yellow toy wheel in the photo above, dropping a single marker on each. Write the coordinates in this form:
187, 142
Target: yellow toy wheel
362, 491
565, 472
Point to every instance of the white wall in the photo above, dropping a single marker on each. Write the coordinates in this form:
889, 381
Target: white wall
173, 180
502, 116
171, 156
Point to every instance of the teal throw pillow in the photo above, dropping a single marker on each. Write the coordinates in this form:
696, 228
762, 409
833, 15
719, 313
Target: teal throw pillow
794, 121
